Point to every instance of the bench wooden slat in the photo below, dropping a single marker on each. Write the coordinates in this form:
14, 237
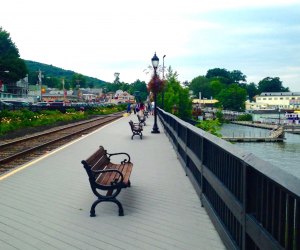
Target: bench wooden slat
115, 176
126, 172
101, 163
107, 178
103, 177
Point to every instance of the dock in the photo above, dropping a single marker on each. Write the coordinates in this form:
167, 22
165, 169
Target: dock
45, 204
276, 135
290, 128
253, 139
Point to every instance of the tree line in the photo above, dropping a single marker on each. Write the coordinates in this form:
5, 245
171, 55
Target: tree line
231, 89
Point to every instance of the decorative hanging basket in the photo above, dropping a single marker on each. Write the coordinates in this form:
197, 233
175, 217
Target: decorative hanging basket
156, 85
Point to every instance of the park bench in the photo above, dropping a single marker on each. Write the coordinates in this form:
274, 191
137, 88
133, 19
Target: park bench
146, 114
136, 129
142, 120
107, 179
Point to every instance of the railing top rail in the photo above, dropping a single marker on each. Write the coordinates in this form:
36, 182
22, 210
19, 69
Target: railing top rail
278, 175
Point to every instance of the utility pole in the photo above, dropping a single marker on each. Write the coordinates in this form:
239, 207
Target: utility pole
40, 83
64, 91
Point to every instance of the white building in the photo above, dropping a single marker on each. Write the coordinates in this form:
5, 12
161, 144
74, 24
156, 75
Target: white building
275, 100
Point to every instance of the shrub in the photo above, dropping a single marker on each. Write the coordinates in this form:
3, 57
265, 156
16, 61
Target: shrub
210, 126
13, 120
245, 117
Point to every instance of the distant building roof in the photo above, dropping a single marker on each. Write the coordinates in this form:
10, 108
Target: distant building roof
205, 101
279, 93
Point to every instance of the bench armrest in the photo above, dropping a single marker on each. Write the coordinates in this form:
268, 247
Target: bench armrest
124, 161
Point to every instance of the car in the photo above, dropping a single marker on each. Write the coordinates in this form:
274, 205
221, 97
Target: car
43, 104
5, 105
18, 104
57, 104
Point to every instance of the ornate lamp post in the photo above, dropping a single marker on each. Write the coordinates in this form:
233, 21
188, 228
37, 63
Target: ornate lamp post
163, 92
155, 61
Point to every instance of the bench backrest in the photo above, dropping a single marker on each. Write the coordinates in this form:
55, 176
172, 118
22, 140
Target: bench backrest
97, 161
131, 125
135, 127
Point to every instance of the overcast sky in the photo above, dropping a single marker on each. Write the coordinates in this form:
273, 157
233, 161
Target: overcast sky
98, 38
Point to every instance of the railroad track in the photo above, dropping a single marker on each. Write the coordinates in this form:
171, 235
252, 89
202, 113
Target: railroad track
17, 152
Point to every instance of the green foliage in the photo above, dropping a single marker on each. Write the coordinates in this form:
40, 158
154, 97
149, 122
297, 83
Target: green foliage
10, 60
216, 86
201, 85
252, 90
237, 76
211, 126
220, 116
271, 84
13, 120
57, 74
139, 88
176, 98
233, 98
217, 72
225, 76
245, 117
78, 80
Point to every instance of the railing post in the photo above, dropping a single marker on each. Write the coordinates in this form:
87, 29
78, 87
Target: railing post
244, 186
201, 167
185, 150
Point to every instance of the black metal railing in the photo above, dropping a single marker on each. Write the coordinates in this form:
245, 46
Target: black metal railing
253, 204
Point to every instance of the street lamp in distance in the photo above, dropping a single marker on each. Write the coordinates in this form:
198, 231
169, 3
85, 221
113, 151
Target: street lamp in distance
155, 62
163, 92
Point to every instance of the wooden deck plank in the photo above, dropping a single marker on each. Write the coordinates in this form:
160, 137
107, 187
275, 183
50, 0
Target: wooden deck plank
46, 206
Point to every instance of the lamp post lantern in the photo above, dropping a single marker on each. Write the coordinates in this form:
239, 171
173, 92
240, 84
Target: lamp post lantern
155, 62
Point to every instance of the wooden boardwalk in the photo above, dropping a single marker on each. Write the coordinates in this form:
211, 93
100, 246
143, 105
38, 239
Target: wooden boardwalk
45, 205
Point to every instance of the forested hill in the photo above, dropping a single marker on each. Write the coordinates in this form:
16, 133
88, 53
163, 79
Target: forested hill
51, 71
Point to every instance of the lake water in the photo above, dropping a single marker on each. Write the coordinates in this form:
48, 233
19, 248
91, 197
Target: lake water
285, 155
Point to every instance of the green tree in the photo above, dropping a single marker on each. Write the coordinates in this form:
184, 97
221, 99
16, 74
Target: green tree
201, 84
237, 76
139, 88
176, 98
78, 79
271, 84
217, 72
233, 98
222, 75
216, 86
12, 67
252, 90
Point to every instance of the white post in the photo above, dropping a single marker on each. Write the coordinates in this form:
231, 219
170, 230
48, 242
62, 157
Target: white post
200, 98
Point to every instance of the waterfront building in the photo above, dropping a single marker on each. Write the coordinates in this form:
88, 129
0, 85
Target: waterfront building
275, 100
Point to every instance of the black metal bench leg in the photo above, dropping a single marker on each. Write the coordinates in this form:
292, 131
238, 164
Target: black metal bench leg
92, 212
121, 211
